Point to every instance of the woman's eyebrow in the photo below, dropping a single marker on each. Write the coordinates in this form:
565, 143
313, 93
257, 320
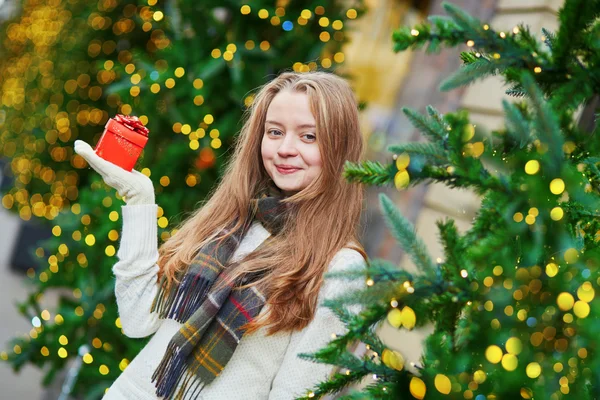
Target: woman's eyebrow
299, 126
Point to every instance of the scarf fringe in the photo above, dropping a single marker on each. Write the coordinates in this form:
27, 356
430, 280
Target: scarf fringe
169, 371
175, 380
180, 304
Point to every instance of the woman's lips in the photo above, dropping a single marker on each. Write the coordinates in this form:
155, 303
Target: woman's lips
286, 170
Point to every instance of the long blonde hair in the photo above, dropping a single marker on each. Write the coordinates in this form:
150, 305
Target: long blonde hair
325, 214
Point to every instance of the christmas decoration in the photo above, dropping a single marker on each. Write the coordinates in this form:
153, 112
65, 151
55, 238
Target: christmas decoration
513, 301
66, 67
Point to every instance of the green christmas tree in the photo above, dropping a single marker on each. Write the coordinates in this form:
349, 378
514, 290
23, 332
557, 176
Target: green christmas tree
187, 69
513, 302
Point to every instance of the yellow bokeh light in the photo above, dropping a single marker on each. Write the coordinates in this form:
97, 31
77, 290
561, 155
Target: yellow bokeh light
532, 167
401, 180
417, 388
158, 15
442, 383
90, 240
123, 364
337, 24
62, 353
510, 362
394, 317
163, 222
339, 57
198, 83
518, 217
113, 235
586, 292
557, 186
409, 318
514, 345
557, 213
479, 376
581, 309
164, 181
264, 45
402, 161
393, 359
551, 269
245, 9
191, 180
493, 354
110, 250
533, 370
565, 301
351, 13
215, 143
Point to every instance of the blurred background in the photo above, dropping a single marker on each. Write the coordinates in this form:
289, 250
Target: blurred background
187, 69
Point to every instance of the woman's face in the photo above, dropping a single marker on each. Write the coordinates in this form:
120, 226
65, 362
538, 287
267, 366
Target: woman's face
289, 148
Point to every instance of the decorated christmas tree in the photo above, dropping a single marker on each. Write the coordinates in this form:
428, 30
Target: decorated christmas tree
512, 302
187, 70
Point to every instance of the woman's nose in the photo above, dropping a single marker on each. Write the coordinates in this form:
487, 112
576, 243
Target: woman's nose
287, 147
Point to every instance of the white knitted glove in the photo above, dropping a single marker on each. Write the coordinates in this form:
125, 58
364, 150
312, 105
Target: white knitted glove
134, 187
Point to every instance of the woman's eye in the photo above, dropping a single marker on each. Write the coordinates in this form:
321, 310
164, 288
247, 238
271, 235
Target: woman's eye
274, 132
310, 137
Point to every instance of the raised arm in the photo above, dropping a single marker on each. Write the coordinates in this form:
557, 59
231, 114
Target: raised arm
296, 376
136, 269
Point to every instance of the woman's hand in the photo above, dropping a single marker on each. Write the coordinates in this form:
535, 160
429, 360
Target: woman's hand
134, 187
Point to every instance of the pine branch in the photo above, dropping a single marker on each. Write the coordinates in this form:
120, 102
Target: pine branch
470, 25
549, 38
369, 172
518, 126
545, 123
405, 233
430, 150
430, 127
469, 73
575, 16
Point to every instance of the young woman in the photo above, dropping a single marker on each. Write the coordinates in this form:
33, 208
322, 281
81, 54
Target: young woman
236, 293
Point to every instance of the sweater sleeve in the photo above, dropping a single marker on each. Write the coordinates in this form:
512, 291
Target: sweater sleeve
297, 376
136, 271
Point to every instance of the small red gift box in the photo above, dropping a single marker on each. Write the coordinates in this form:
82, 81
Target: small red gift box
122, 142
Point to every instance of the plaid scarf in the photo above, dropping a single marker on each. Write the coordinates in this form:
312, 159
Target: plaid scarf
211, 317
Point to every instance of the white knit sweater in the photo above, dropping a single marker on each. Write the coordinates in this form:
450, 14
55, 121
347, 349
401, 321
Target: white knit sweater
262, 367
